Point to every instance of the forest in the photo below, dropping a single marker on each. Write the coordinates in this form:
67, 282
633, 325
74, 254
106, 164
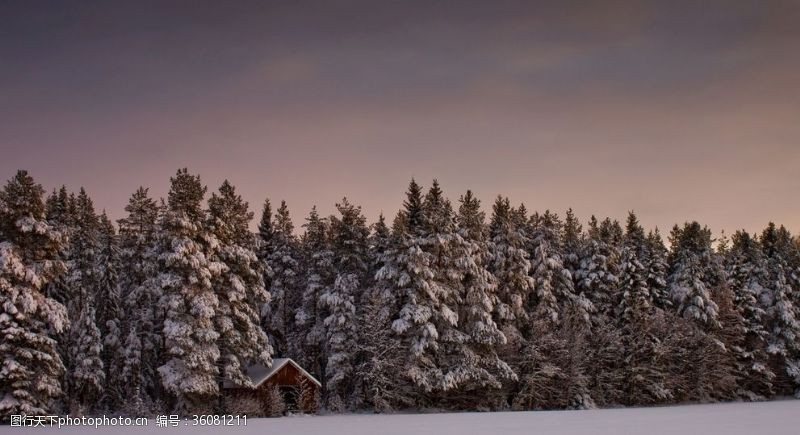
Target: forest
445, 306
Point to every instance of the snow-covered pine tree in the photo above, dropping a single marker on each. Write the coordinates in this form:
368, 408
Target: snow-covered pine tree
381, 355
476, 359
348, 235
552, 281
625, 351
281, 250
747, 277
545, 361
87, 374
239, 288
30, 382
86, 377
554, 368
692, 274
413, 271
58, 208
432, 311
597, 277
142, 330
319, 276
782, 321
735, 361
657, 268
644, 379
612, 232
60, 212
186, 269
264, 245
111, 313
510, 265
379, 242
572, 237
635, 237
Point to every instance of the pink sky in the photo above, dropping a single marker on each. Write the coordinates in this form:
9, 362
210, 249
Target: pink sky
678, 112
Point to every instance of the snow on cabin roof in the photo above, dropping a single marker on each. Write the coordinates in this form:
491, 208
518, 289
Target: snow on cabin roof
259, 373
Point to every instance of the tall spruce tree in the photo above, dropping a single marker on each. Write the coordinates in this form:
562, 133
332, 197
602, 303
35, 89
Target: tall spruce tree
644, 378
597, 277
747, 278
239, 288
693, 275
318, 264
510, 265
186, 270
572, 237
783, 324
349, 234
412, 270
111, 314
60, 212
477, 359
30, 379
141, 293
553, 285
381, 354
86, 378
282, 253
265, 242
657, 268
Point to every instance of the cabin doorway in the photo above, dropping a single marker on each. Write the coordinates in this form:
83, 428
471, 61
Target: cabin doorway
290, 398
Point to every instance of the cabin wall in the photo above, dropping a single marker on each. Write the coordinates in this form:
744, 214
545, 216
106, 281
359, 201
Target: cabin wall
287, 376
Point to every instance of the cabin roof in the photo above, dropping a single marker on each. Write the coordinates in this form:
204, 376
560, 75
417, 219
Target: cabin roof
259, 373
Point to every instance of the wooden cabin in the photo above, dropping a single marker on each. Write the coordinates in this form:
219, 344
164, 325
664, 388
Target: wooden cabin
300, 391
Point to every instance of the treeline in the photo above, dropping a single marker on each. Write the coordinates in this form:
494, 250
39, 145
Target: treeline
442, 309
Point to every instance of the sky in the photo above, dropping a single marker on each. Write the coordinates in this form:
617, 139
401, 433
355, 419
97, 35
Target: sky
679, 110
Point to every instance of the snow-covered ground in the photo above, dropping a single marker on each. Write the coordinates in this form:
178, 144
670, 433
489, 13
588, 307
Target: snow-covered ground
780, 417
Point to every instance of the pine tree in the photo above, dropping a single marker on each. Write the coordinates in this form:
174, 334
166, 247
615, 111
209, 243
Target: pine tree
380, 354
412, 206
141, 333
692, 274
597, 277
747, 277
282, 254
477, 360
319, 276
657, 267
186, 271
239, 288
86, 371
559, 318
783, 325
510, 265
60, 212
552, 281
265, 244
349, 246
645, 381
413, 271
739, 363
431, 311
379, 242
554, 364
29, 246
572, 237
111, 314
87, 374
